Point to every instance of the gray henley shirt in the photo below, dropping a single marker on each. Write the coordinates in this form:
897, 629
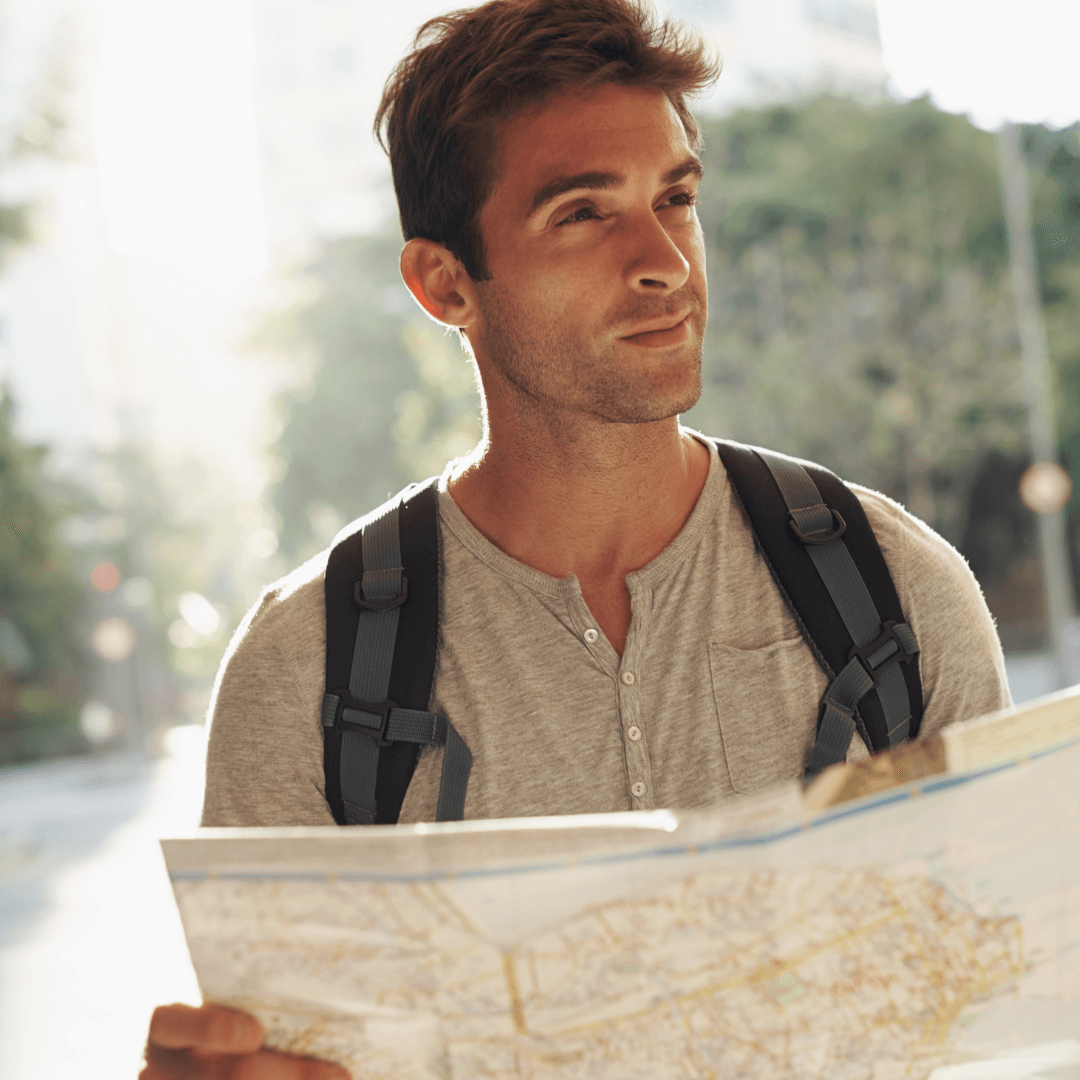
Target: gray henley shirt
716, 693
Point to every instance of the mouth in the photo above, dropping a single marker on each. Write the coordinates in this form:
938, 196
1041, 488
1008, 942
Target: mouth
661, 336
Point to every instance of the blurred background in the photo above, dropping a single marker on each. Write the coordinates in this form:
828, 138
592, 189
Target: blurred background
208, 365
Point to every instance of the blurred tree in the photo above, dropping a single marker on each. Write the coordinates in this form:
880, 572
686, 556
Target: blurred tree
43, 671
861, 312
385, 398
125, 514
1056, 158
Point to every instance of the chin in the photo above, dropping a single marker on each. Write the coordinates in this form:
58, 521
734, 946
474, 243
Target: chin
648, 406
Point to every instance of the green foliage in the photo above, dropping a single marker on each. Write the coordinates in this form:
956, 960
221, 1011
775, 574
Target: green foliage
860, 305
42, 669
389, 399
14, 227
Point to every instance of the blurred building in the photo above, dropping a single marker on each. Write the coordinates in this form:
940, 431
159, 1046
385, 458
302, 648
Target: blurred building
775, 49
320, 66
56, 303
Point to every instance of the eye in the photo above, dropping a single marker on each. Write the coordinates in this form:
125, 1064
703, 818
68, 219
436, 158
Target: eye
683, 198
582, 213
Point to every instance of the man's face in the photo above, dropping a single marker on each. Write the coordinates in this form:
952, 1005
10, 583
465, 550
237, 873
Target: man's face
598, 300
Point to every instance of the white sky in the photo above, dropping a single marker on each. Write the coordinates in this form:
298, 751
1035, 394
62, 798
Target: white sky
993, 59
175, 138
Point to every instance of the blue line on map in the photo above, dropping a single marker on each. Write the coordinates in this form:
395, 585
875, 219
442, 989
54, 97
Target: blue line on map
927, 786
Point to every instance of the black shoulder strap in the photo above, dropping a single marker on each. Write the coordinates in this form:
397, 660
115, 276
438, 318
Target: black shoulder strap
391, 611
825, 559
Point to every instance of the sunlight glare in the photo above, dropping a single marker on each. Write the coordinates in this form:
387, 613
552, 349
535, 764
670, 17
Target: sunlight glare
175, 135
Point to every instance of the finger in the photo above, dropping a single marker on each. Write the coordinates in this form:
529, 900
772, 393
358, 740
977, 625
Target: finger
213, 1028
265, 1065
186, 1065
268, 1065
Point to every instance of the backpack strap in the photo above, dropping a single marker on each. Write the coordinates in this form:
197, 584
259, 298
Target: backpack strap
382, 623
825, 559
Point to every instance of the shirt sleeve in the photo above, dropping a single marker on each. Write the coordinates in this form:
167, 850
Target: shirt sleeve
264, 764
960, 658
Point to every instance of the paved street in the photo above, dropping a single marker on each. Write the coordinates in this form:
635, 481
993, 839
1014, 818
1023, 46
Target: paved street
89, 936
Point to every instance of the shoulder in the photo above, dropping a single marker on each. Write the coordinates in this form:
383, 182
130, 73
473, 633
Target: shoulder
923, 564
264, 757
287, 623
902, 536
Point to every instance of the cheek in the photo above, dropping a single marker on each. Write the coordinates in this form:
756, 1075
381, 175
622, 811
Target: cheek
553, 293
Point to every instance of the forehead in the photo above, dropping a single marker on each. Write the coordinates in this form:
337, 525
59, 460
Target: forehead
603, 129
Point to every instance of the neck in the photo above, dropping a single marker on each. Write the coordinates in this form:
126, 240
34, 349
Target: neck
598, 501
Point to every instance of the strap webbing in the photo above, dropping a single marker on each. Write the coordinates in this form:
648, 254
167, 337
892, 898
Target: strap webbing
373, 654
369, 682
849, 593
360, 758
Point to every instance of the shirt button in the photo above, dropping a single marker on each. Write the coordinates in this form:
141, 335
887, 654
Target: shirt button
591, 635
628, 678
638, 789
633, 733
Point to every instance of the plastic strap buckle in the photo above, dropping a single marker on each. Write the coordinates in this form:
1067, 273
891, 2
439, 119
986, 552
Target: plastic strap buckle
839, 526
377, 729
386, 603
865, 653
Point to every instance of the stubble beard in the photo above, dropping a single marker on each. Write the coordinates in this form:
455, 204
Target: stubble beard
563, 373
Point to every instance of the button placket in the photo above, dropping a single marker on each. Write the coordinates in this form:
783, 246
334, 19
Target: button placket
582, 623
629, 693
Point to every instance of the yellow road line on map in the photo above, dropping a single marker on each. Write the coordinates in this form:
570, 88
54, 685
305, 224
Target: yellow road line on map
517, 1010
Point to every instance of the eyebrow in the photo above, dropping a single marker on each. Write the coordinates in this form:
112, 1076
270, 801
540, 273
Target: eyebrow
599, 181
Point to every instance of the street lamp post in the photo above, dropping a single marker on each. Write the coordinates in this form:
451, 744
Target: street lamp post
1038, 397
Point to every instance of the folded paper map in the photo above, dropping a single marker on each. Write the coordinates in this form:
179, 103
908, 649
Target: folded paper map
913, 915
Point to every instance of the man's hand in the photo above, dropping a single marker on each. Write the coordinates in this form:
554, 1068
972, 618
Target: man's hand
216, 1043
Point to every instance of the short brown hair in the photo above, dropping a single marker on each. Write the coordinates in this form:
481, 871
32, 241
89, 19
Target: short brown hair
470, 70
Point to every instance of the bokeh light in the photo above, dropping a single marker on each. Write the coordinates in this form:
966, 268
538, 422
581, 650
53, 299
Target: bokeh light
1045, 487
114, 639
262, 543
105, 577
98, 722
199, 613
138, 592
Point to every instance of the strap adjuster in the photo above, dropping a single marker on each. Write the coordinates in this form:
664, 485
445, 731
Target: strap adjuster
900, 655
376, 730
838, 531
386, 603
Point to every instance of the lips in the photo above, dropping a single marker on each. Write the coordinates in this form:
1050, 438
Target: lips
661, 335
657, 326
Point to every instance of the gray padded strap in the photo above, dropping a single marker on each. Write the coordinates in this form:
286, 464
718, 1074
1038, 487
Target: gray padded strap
369, 682
373, 652
856, 607
373, 655
833, 561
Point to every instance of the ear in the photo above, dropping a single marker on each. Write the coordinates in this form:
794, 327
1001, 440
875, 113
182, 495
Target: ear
439, 282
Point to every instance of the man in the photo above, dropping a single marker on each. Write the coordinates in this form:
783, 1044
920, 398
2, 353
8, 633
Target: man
610, 636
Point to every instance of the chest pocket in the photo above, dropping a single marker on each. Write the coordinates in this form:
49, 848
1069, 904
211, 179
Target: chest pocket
767, 706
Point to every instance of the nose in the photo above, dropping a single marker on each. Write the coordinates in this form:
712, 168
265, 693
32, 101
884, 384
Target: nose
654, 264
